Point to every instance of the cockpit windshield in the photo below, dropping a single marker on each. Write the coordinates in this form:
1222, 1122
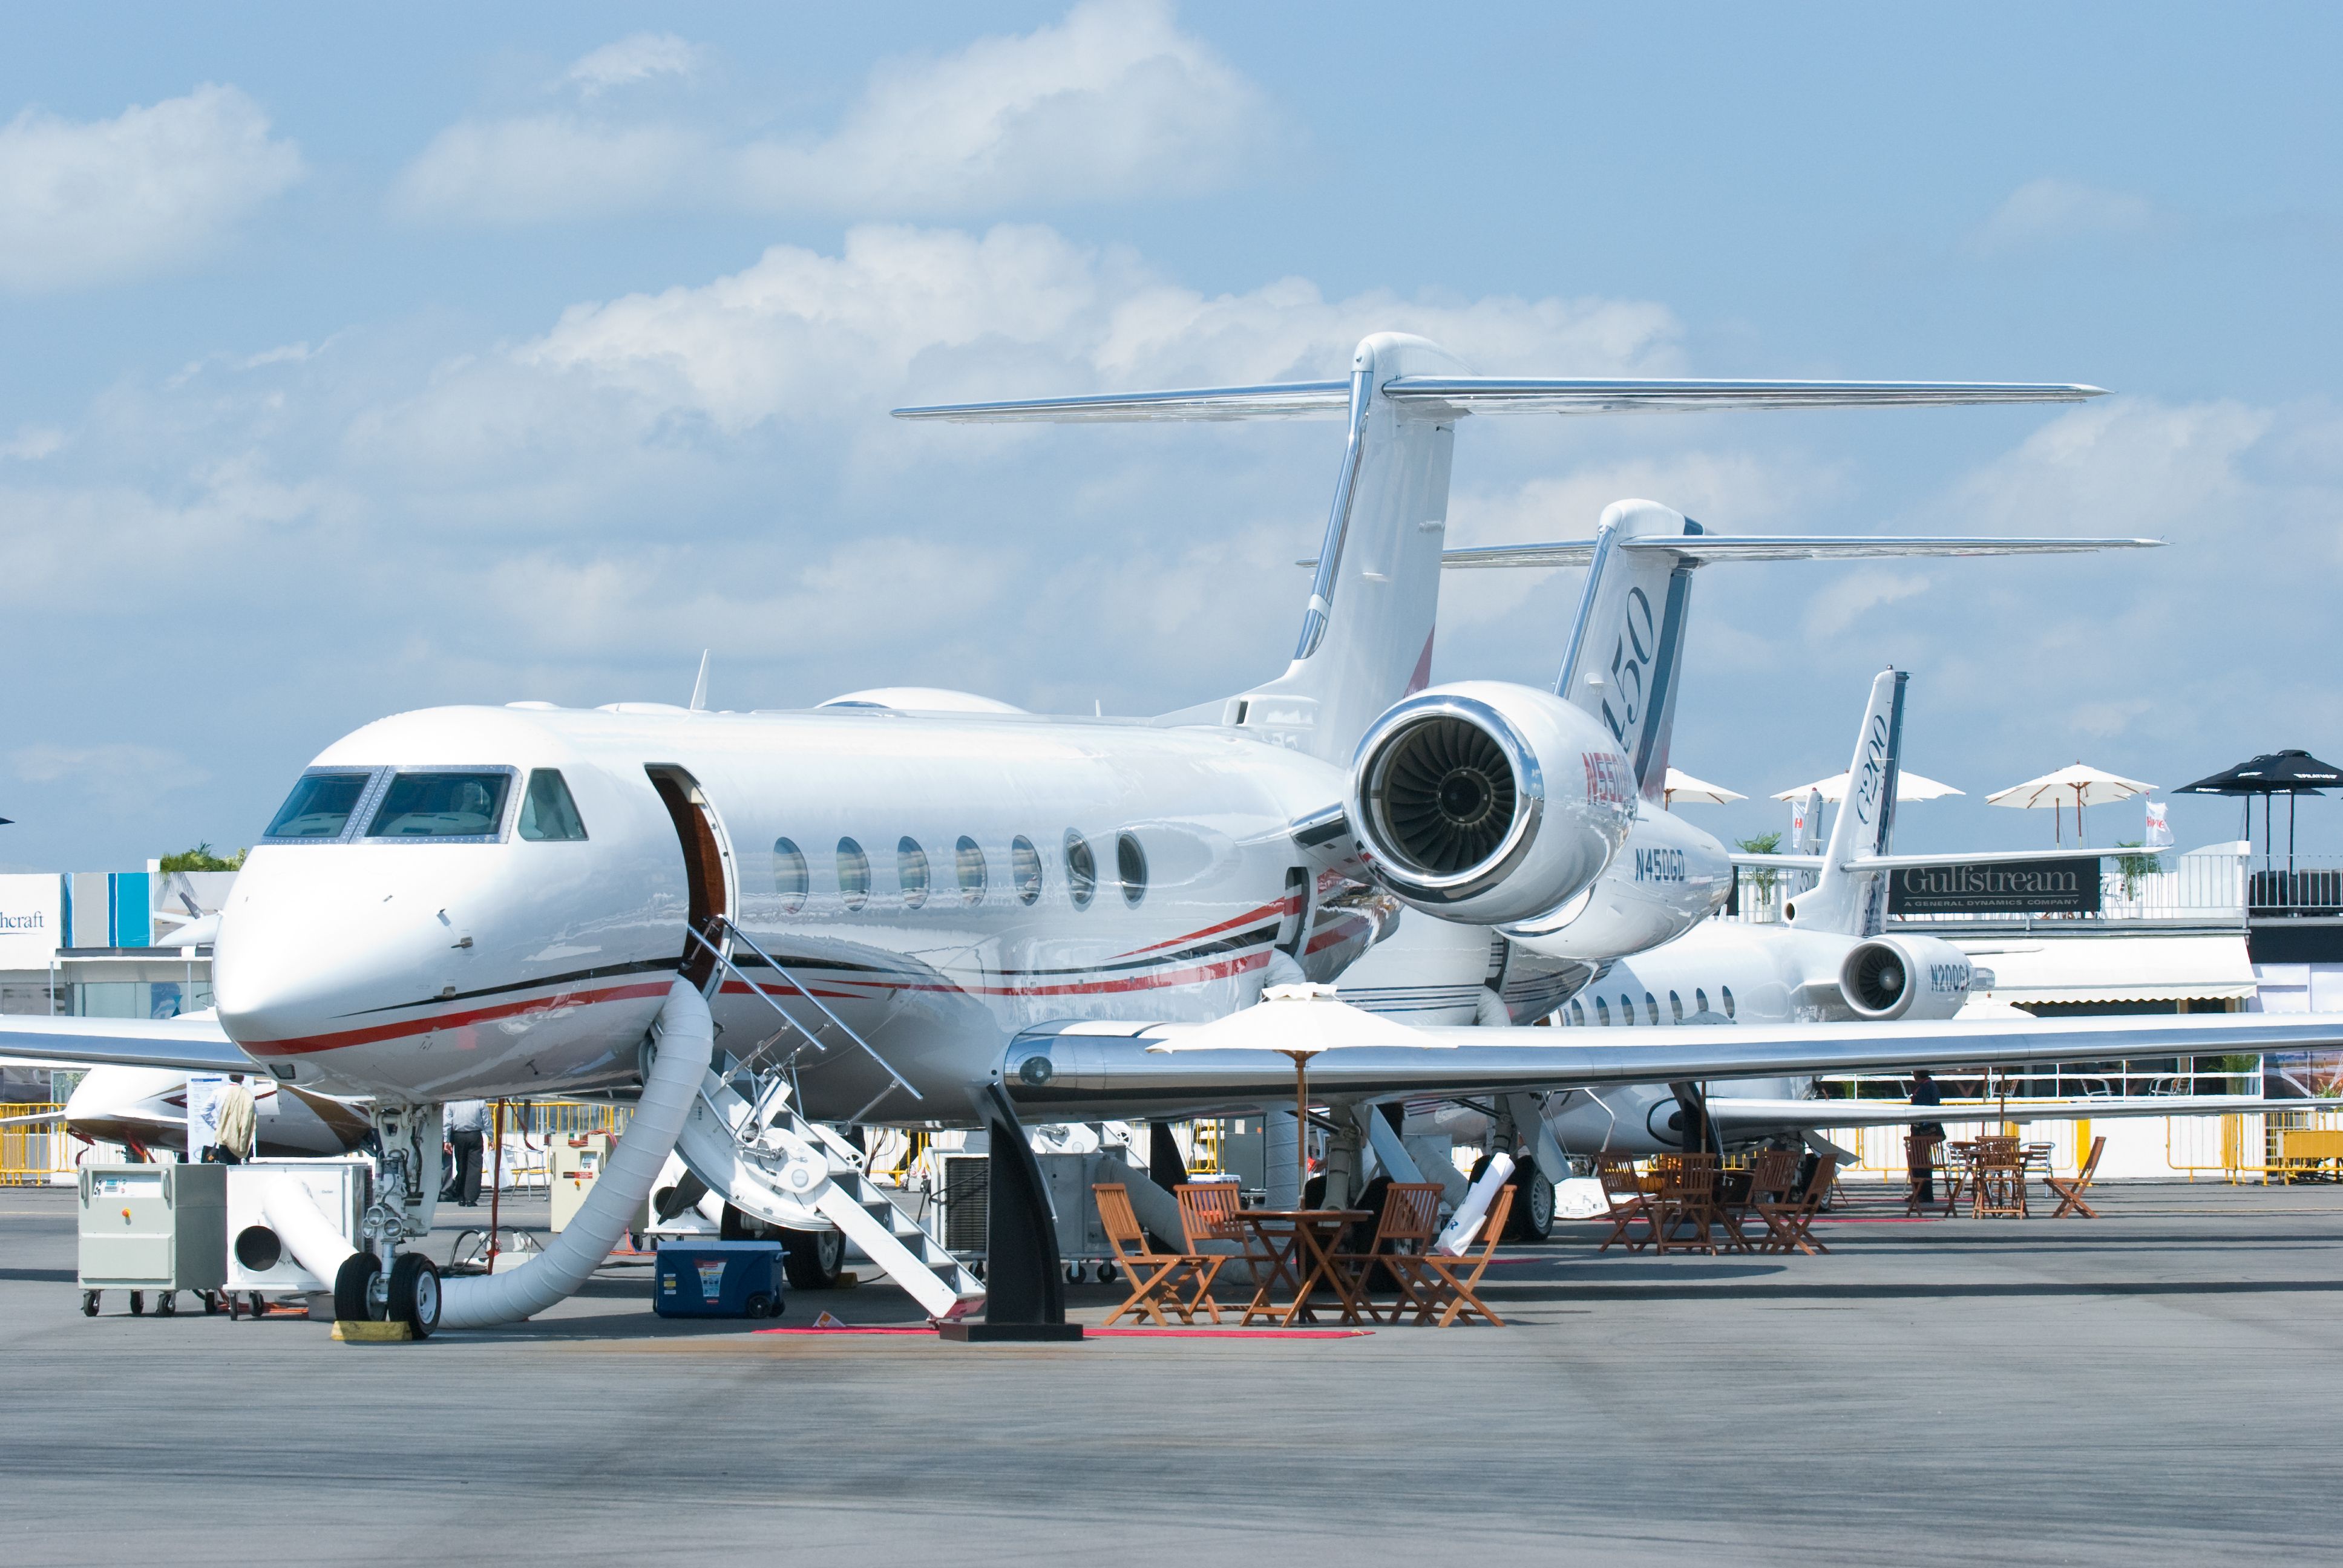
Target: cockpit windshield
441, 806
319, 806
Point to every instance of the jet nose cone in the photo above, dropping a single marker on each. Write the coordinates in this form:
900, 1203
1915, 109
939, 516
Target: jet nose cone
312, 941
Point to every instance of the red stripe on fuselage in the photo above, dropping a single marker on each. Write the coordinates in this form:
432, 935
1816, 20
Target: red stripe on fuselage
304, 1044
1282, 908
1194, 976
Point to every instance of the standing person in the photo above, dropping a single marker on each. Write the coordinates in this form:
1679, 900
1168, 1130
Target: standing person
1926, 1137
467, 1124
232, 1133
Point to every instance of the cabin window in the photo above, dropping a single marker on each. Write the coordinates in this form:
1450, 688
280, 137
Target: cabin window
1652, 1008
442, 805
968, 861
1675, 1007
1025, 866
319, 806
789, 878
912, 870
547, 811
1081, 869
1131, 865
1699, 999
1726, 993
1602, 1013
853, 874
1627, 1011
1577, 1013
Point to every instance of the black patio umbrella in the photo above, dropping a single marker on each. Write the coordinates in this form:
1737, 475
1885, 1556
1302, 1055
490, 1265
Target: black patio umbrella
2287, 773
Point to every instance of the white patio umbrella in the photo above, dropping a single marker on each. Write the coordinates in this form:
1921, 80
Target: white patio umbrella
1298, 1022
1908, 787
1683, 785
2080, 785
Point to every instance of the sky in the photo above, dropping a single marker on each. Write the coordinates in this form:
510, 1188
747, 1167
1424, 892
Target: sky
360, 362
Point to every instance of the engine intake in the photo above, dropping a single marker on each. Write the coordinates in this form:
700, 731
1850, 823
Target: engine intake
1877, 980
1485, 803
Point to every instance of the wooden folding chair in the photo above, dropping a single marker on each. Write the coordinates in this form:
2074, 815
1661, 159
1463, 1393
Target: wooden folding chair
1209, 1225
1451, 1285
1688, 1198
2070, 1189
2000, 1180
1629, 1203
1924, 1151
1770, 1176
1409, 1220
1155, 1277
1789, 1221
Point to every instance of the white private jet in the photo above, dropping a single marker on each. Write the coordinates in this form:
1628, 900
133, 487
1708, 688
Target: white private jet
922, 908
1832, 961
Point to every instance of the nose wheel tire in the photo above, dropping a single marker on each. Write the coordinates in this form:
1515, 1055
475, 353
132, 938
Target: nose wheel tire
415, 1294
354, 1287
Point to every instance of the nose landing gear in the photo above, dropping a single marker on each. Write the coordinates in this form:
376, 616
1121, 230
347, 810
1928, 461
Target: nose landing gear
379, 1283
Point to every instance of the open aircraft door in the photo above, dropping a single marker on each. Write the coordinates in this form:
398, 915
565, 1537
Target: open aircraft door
708, 862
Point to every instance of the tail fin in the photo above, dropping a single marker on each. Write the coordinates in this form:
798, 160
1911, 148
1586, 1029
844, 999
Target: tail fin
1366, 634
1626, 645
1854, 903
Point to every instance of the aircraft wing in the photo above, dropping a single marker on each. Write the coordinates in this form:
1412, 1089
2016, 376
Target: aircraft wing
1084, 1070
1754, 1116
191, 1044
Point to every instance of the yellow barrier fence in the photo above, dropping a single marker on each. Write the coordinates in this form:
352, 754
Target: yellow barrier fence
31, 1153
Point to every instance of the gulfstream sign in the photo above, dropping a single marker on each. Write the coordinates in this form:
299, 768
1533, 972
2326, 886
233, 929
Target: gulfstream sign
2068, 886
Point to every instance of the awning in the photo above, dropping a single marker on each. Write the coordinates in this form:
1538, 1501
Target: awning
2086, 969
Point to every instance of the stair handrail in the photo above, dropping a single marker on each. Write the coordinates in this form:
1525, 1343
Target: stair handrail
798, 986
810, 1038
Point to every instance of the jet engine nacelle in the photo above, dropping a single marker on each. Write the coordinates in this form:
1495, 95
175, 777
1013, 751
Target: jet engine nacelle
1904, 977
1484, 802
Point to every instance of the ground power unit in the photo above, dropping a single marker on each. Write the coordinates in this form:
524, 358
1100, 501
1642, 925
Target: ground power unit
159, 1228
1066, 1177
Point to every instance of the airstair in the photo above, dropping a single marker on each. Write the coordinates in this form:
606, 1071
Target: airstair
745, 1138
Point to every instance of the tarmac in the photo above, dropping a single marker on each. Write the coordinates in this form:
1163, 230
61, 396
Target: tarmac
2158, 1385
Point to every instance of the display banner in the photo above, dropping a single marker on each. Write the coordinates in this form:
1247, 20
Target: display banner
203, 1091
31, 920
2065, 886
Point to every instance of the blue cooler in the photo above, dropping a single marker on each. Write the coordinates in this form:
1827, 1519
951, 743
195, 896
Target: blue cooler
718, 1279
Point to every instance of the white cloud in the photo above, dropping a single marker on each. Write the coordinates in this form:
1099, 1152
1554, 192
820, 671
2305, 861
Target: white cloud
152, 189
2048, 211
927, 314
120, 775
1842, 603
636, 58
31, 443
1114, 102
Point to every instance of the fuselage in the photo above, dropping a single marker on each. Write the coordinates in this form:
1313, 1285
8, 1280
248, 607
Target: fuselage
938, 882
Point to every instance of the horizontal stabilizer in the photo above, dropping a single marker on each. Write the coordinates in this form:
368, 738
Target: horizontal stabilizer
1443, 397
1777, 547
